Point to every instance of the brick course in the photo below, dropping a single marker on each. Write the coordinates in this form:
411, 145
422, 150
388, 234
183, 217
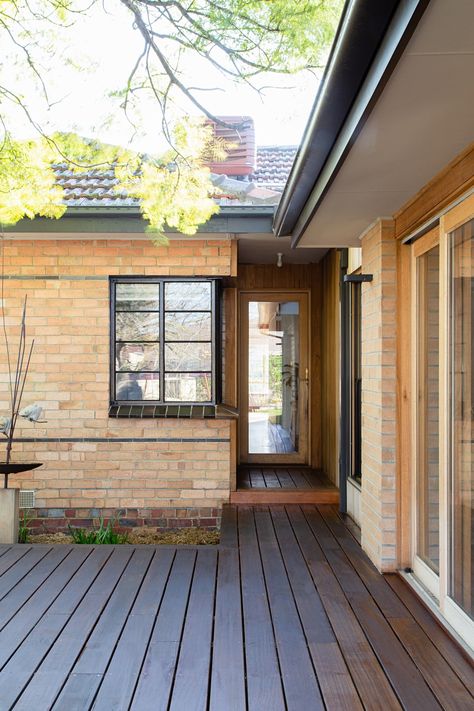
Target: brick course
58, 520
87, 460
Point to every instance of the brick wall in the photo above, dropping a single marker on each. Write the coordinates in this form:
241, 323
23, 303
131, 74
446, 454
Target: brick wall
379, 492
153, 470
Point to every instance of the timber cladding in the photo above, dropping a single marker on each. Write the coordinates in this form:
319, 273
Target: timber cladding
330, 368
448, 185
91, 461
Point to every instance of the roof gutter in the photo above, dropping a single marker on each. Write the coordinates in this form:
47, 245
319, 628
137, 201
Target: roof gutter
371, 38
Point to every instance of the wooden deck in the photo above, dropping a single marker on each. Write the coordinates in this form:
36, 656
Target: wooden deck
283, 485
287, 614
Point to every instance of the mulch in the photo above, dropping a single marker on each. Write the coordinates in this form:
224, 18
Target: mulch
146, 536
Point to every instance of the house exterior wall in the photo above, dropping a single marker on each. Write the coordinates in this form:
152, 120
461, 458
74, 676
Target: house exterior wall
167, 472
388, 356
379, 494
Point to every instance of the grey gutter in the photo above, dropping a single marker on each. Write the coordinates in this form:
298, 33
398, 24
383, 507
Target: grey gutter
371, 37
128, 220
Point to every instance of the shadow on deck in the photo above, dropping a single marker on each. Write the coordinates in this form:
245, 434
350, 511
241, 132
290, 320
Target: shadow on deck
288, 613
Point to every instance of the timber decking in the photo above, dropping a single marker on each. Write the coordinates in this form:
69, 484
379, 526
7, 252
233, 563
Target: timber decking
283, 485
287, 614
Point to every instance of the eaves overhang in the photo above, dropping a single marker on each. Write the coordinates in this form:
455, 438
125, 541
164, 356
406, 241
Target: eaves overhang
115, 219
371, 38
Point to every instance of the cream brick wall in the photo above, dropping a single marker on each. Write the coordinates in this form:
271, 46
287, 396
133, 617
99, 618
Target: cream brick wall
379, 487
89, 459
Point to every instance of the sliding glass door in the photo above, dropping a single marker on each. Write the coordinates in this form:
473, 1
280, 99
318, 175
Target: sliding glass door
443, 417
427, 468
461, 390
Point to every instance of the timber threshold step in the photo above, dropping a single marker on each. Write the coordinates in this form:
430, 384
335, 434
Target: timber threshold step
284, 496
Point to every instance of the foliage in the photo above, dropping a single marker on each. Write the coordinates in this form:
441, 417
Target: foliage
275, 375
23, 530
101, 535
238, 39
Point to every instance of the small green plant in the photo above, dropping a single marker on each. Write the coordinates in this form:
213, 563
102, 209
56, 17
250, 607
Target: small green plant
23, 530
101, 535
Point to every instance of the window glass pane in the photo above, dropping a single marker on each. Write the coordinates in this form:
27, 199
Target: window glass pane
137, 297
185, 350
137, 356
191, 326
428, 407
273, 380
131, 386
462, 417
137, 327
188, 296
188, 356
188, 387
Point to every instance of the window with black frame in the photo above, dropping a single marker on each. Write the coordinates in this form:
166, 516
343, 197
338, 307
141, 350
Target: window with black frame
356, 382
163, 336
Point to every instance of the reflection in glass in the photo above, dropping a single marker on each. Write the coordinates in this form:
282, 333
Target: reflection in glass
137, 356
188, 387
134, 386
462, 416
137, 326
137, 297
188, 296
190, 326
428, 407
273, 377
188, 356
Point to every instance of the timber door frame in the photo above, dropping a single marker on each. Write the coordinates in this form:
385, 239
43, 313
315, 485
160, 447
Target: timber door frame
277, 295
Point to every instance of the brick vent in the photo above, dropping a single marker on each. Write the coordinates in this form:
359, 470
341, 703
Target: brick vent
57, 520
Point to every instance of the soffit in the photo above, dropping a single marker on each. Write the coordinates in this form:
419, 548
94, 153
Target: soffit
423, 119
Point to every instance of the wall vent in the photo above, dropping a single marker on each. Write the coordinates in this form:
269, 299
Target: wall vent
27, 499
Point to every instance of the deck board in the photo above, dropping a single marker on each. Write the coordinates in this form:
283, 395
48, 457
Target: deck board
278, 485
287, 614
264, 687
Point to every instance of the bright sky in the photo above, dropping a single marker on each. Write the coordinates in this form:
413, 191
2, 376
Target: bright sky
109, 48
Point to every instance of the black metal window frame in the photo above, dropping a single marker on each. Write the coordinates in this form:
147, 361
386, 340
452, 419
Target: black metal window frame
215, 345
356, 380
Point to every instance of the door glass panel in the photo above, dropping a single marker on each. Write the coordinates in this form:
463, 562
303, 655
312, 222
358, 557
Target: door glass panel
428, 408
273, 367
462, 416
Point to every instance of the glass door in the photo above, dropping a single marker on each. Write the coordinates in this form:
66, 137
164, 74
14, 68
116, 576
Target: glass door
274, 378
426, 451
459, 604
443, 417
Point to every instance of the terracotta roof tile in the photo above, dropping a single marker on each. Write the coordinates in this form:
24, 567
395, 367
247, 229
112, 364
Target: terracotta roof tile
95, 187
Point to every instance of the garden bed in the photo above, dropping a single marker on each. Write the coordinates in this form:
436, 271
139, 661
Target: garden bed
145, 535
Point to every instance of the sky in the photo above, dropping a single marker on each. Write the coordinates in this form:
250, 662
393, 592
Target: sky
108, 49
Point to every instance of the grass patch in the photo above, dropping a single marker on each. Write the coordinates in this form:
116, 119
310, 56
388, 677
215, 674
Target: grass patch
101, 535
23, 530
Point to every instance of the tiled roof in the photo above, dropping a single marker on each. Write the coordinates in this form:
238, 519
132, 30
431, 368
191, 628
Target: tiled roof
96, 187
273, 166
